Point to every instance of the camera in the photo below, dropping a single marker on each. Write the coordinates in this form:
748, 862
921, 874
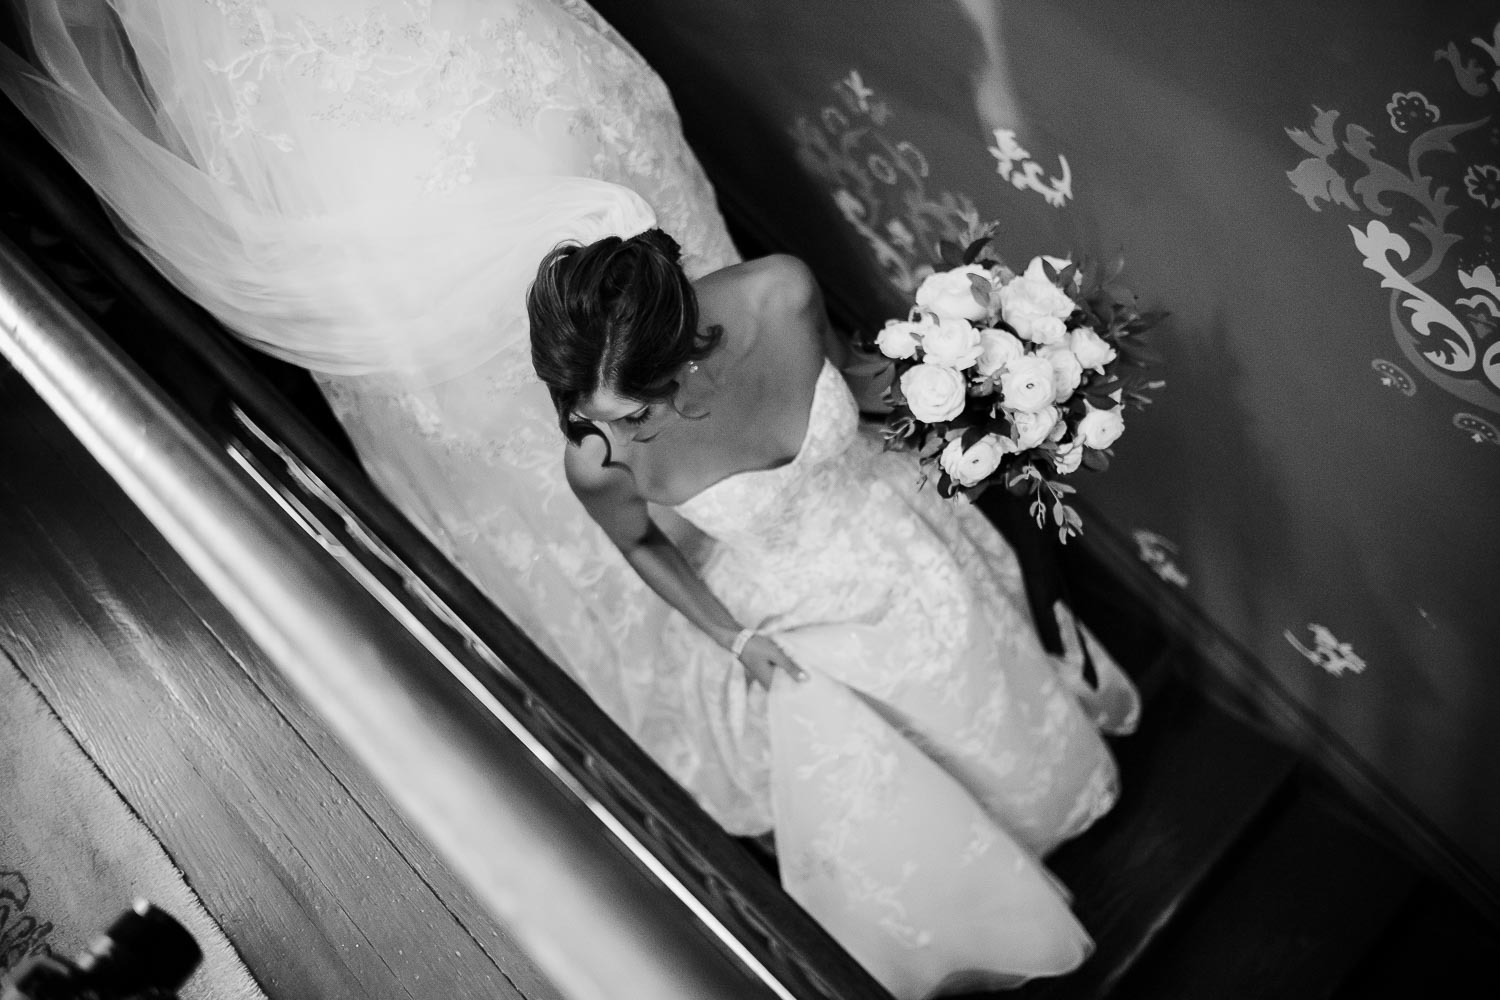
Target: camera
144, 955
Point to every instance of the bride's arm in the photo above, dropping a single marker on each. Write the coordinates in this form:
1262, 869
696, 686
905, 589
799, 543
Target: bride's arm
609, 495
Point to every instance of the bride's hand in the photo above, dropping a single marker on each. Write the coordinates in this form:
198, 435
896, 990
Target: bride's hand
761, 658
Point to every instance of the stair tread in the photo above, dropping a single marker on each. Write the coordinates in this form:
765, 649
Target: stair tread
1437, 946
1291, 914
1193, 780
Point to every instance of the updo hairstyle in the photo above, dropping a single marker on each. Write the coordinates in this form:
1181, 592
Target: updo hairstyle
617, 314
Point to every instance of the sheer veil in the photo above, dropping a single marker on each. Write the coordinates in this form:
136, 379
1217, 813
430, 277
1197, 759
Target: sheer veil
364, 188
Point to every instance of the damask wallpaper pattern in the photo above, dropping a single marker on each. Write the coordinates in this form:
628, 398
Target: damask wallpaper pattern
1312, 190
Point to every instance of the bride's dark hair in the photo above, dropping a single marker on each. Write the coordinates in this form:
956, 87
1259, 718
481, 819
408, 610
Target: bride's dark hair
617, 314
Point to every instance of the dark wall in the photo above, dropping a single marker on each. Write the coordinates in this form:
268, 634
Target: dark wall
1322, 471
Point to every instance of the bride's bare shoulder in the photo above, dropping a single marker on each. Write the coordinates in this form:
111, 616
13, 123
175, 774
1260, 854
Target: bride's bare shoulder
777, 293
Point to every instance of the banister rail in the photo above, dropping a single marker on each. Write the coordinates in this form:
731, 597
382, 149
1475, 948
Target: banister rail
727, 900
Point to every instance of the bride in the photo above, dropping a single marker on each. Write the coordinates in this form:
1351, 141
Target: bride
365, 187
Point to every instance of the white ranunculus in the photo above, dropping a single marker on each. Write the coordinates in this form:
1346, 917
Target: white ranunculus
1027, 384
1031, 429
1069, 457
1101, 428
1035, 307
950, 294
1093, 350
933, 392
1067, 370
900, 338
968, 466
1046, 331
997, 349
952, 343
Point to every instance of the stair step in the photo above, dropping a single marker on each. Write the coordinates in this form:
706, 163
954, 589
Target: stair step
1437, 946
1194, 779
1291, 912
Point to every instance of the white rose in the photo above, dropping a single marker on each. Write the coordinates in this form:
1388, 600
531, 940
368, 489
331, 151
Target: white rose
899, 339
1027, 384
1031, 429
1093, 350
1069, 457
968, 467
1100, 428
1035, 307
1066, 369
950, 294
997, 349
934, 393
952, 343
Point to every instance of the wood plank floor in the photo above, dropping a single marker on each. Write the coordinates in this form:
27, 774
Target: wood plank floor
322, 886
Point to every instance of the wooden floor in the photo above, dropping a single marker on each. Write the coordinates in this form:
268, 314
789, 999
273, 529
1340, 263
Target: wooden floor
323, 888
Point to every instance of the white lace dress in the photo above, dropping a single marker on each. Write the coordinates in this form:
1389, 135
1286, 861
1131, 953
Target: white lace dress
938, 752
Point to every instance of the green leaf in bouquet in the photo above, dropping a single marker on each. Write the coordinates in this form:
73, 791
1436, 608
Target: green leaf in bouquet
1146, 320
1095, 460
1135, 353
981, 287
974, 249
950, 254
971, 436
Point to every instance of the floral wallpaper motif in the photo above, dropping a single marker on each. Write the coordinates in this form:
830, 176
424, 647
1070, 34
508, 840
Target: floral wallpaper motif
1476, 428
1161, 555
879, 183
1426, 192
1338, 658
1016, 166
1394, 376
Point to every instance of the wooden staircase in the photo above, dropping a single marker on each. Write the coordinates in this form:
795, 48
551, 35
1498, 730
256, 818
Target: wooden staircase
1232, 867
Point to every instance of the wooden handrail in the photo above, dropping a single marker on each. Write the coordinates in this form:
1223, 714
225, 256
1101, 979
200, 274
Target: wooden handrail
643, 808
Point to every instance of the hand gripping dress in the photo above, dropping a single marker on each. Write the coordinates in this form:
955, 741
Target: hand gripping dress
938, 752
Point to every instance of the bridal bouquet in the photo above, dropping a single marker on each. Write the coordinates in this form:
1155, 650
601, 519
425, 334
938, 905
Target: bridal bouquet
1017, 379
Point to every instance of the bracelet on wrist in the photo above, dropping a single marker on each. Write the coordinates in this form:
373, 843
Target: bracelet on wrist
738, 646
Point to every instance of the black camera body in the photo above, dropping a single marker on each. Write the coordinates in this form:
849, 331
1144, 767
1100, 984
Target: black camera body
144, 955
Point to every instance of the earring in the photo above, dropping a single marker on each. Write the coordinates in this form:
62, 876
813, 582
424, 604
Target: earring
692, 367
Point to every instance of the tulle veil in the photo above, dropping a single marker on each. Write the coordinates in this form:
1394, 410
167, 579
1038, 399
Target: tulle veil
363, 188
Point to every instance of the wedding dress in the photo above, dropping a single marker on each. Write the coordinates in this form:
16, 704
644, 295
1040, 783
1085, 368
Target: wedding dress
364, 187
938, 752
